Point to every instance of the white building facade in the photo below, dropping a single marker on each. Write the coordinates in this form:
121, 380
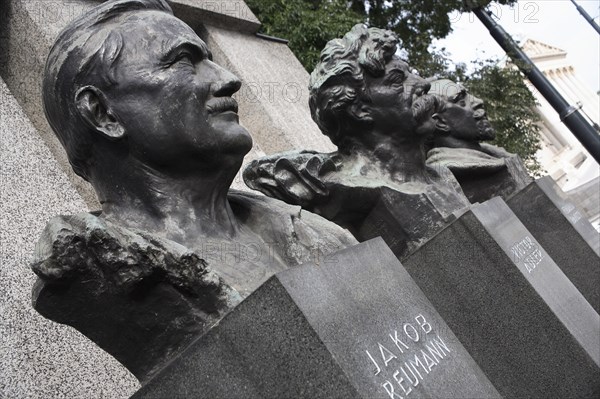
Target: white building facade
562, 156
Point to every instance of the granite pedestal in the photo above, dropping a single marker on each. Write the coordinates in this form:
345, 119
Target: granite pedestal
527, 326
503, 183
564, 232
406, 221
354, 326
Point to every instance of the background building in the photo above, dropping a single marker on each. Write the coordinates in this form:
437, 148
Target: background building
562, 156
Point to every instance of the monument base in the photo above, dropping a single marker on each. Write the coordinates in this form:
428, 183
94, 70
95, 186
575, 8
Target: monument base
527, 326
564, 232
356, 327
405, 221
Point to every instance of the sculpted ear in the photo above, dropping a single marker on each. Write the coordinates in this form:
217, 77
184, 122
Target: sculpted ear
92, 106
440, 123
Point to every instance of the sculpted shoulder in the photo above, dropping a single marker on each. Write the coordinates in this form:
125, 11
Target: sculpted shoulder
464, 160
140, 297
280, 222
84, 244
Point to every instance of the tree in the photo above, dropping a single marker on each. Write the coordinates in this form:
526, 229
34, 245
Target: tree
310, 24
509, 104
307, 24
416, 22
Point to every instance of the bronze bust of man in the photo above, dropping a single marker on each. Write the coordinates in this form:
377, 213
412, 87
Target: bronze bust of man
377, 112
483, 170
148, 119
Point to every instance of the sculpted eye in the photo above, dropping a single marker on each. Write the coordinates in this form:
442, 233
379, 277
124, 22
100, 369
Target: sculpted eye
184, 54
397, 77
184, 57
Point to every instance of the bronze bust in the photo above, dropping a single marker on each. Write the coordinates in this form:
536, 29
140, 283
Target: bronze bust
378, 113
148, 119
483, 170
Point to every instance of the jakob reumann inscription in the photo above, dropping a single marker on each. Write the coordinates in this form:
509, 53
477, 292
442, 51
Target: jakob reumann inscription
408, 357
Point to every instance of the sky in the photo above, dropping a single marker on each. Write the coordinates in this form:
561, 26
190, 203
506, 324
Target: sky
554, 22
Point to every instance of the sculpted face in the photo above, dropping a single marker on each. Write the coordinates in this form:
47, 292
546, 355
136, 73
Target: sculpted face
394, 96
174, 103
465, 114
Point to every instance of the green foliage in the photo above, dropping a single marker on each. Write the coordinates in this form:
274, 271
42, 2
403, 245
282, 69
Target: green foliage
509, 105
416, 22
307, 24
310, 24
436, 62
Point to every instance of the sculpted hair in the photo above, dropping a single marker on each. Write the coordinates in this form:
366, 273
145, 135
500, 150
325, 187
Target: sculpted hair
85, 53
445, 88
337, 80
427, 105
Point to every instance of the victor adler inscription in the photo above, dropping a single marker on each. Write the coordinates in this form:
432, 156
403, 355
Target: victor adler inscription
527, 326
527, 252
563, 230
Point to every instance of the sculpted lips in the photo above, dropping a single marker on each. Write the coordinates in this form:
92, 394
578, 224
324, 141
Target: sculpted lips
219, 105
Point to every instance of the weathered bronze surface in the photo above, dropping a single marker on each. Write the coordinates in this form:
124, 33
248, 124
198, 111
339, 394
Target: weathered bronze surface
376, 110
148, 119
483, 170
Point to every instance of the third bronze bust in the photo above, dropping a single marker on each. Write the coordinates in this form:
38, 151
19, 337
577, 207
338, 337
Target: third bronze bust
483, 170
148, 119
376, 110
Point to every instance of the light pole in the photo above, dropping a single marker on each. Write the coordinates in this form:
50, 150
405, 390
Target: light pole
587, 16
569, 115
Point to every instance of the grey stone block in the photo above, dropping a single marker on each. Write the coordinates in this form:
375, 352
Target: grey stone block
27, 31
228, 14
525, 324
564, 232
40, 359
254, 352
355, 325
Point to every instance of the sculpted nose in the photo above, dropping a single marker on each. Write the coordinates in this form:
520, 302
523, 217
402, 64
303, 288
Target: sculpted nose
418, 85
476, 102
226, 83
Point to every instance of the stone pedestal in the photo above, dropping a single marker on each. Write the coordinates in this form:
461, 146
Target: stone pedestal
564, 232
503, 183
406, 221
353, 326
527, 326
